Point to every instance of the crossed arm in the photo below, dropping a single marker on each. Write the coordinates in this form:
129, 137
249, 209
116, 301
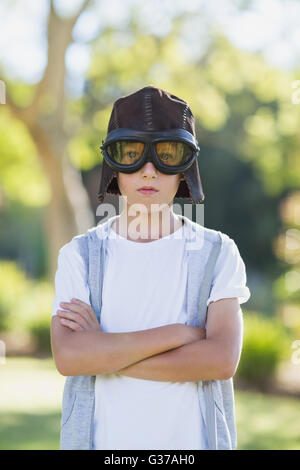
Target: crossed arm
215, 356
169, 353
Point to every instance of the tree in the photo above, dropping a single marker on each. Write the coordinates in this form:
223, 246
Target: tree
69, 209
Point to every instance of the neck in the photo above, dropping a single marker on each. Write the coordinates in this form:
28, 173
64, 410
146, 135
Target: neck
147, 226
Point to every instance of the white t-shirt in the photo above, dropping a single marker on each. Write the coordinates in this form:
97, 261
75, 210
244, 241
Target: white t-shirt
145, 287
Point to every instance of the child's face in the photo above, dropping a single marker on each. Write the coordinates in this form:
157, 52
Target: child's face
148, 175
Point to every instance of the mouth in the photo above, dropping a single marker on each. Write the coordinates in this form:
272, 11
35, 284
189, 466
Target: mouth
147, 190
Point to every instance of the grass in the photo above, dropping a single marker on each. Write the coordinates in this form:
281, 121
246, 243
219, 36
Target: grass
30, 411
267, 421
30, 404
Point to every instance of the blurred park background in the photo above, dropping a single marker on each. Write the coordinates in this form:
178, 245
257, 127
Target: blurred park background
62, 65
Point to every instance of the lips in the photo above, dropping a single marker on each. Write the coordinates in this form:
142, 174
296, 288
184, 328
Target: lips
147, 190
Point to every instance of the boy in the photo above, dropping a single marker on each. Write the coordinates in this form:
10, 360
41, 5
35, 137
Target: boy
142, 371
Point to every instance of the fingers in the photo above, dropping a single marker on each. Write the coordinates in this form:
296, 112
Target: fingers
85, 307
78, 306
74, 317
71, 324
80, 313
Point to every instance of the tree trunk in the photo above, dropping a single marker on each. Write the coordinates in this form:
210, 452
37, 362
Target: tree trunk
69, 212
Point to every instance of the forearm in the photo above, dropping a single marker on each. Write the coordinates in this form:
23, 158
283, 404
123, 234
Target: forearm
199, 360
98, 352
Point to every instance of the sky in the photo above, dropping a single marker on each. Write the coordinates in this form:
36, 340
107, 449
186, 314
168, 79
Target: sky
269, 26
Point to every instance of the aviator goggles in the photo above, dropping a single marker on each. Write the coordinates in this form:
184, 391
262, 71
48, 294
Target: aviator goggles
171, 151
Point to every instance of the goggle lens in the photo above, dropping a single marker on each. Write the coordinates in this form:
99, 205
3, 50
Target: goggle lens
125, 152
173, 153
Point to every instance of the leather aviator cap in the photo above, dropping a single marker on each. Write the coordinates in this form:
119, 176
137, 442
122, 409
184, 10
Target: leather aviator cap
153, 109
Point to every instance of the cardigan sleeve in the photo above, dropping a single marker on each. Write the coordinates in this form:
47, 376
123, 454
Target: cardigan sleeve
230, 279
70, 277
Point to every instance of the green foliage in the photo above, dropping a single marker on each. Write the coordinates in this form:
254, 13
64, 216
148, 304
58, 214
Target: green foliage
21, 174
265, 344
13, 286
287, 285
25, 305
38, 314
22, 93
84, 149
40, 330
22, 237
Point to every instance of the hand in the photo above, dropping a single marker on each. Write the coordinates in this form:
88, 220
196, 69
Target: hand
79, 316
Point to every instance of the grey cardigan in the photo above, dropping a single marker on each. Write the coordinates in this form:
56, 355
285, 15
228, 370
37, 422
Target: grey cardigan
78, 402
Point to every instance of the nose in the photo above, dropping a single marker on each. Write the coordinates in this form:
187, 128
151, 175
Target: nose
149, 169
